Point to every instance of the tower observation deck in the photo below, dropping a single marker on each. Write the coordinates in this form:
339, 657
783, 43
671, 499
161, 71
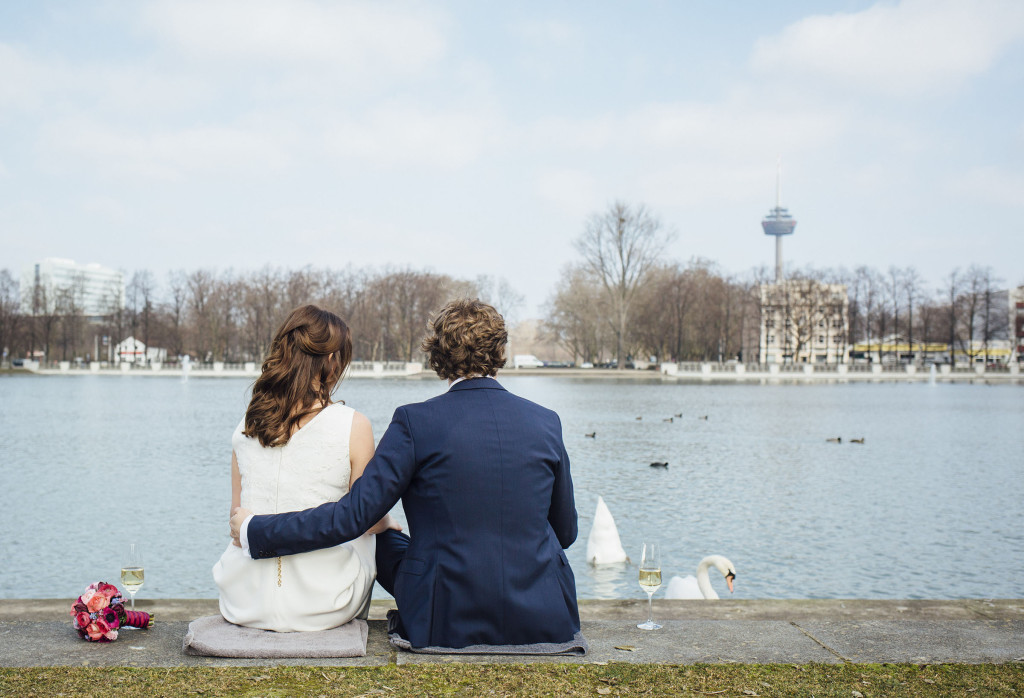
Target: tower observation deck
778, 222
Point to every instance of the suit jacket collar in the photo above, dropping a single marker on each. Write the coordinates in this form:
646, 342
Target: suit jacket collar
486, 383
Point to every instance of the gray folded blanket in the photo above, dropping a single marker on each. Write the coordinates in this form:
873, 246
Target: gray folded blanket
576, 647
215, 637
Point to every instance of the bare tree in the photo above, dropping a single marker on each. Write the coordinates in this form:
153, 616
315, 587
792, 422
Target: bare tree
875, 316
574, 314
224, 316
176, 308
68, 307
954, 287
894, 295
262, 310
502, 295
620, 247
116, 318
973, 300
140, 300
44, 318
912, 292
993, 323
201, 285
10, 314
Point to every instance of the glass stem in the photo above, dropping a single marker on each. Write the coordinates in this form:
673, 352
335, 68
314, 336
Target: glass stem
650, 608
133, 600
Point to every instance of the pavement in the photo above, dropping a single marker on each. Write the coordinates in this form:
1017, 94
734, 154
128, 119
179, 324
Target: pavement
38, 632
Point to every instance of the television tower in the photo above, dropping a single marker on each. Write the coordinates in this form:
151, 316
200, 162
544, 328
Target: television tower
778, 222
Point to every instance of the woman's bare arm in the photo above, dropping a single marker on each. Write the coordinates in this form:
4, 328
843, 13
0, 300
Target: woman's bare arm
236, 483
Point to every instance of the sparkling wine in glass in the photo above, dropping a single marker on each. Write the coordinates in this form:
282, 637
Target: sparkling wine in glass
650, 580
133, 572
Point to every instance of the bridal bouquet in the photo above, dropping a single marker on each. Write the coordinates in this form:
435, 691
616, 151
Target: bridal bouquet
100, 611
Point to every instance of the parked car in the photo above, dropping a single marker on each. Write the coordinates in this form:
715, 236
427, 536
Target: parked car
558, 364
614, 363
526, 361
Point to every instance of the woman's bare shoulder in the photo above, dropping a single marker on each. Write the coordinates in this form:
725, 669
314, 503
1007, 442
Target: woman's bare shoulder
361, 424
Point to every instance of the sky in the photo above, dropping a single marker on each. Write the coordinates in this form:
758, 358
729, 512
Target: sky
473, 138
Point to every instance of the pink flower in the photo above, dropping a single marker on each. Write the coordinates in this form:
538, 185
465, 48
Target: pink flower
94, 632
97, 602
109, 614
89, 593
108, 590
112, 635
82, 620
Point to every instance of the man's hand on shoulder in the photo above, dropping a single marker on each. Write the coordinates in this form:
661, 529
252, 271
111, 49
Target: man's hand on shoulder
238, 517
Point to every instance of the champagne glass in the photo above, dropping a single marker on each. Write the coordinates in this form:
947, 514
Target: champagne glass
132, 570
650, 580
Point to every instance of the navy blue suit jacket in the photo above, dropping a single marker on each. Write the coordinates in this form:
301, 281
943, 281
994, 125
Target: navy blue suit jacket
484, 480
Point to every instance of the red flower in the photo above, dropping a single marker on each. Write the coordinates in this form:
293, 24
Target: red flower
109, 614
82, 620
94, 632
108, 590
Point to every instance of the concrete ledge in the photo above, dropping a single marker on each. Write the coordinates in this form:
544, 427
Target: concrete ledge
624, 609
37, 632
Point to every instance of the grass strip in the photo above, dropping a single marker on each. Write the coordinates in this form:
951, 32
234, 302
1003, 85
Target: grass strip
848, 680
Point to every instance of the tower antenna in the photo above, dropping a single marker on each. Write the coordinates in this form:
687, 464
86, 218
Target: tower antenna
778, 182
778, 222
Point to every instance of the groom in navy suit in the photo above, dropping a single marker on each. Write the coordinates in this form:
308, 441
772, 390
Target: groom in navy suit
484, 480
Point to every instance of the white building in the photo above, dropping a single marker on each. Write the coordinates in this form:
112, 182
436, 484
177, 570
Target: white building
133, 351
1016, 325
804, 321
61, 286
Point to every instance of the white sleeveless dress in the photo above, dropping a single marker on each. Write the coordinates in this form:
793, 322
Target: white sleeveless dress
310, 591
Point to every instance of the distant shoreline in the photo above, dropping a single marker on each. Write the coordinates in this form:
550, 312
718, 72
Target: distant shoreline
690, 376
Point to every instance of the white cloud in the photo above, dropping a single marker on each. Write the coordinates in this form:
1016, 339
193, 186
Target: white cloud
550, 47
52, 84
736, 129
23, 79
915, 46
706, 183
408, 134
990, 185
549, 32
360, 37
106, 208
733, 129
574, 192
167, 155
563, 133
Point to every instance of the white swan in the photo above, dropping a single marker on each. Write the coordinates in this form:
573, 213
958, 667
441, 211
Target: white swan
603, 544
699, 587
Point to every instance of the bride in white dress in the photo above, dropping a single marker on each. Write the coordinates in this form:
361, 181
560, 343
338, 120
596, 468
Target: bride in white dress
297, 449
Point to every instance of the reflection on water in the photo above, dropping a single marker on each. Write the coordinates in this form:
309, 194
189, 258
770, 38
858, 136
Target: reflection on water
928, 507
609, 581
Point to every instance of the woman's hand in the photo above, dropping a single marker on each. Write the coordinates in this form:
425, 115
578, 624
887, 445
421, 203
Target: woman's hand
238, 517
384, 524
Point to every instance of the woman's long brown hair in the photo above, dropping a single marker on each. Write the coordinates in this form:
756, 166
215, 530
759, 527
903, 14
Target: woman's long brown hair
307, 358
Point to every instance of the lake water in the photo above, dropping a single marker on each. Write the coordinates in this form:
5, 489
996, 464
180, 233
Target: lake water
930, 506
